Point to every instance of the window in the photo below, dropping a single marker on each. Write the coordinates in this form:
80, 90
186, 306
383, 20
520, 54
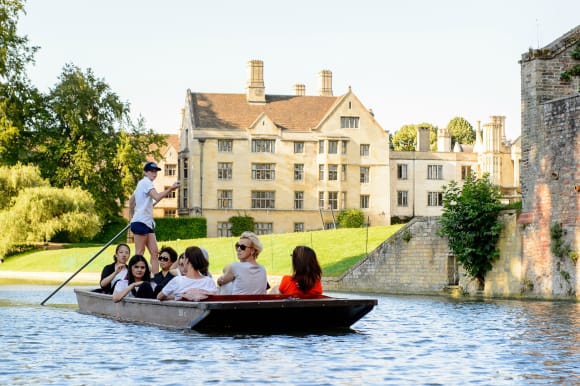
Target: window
172, 194
321, 172
343, 200
185, 203
343, 172
465, 171
434, 199
434, 172
365, 149
263, 228
364, 201
263, 200
224, 170
298, 200
169, 213
402, 198
333, 200
332, 172
321, 146
298, 227
185, 168
263, 146
170, 170
225, 145
402, 171
298, 172
349, 122
224, 229
332, 147
224, 198
343, 147
298, 147
264, 172
321, 199
364, 175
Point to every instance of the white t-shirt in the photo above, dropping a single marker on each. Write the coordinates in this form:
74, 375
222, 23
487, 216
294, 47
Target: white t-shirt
124, 283
249, 278
144, 203
179, 284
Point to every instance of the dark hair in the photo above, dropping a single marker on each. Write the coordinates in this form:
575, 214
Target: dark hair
134, 260
172, 253
117, 250
197, 260
306, 268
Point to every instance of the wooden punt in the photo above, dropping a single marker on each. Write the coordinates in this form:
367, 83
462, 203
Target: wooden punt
227, 313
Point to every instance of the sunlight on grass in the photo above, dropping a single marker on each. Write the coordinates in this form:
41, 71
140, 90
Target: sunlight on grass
337, 251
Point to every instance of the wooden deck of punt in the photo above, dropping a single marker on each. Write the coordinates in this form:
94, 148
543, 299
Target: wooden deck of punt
230, 313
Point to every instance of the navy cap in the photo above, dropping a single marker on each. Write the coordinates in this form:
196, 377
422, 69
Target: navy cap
151, 166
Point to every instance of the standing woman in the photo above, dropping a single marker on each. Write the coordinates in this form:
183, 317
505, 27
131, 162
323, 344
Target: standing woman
138, 282
306, 277
141, 211
115, 271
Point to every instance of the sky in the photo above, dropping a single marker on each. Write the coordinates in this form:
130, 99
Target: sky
410, 61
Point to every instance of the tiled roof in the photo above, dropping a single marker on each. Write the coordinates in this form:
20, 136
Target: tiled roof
232, 111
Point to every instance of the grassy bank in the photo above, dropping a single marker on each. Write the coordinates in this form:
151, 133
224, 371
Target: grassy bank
337, 251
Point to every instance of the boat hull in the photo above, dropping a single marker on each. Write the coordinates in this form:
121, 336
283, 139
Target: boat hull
232, 313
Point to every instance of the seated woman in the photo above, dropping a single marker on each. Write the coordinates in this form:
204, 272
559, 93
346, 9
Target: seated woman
138, 283
306, 277
246, 276
167, 257
115, 271
192, 280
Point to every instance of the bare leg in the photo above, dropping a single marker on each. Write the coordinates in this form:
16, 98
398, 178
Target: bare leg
140, 241
153, 252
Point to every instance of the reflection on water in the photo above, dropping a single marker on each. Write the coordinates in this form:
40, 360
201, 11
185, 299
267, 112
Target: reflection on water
405, 340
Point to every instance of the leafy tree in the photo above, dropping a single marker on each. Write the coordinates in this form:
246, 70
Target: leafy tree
240, 224
39, 213
461, 131
405, 138
89, 141
351, 218
16, 178
470, 222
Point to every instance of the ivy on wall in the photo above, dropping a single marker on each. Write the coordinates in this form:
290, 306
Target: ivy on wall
567, 75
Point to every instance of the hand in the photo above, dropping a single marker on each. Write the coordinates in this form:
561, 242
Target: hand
137, 284
119, 267
195, 294
175, 185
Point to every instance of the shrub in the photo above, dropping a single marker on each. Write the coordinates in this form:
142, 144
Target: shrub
240, 224
351, 218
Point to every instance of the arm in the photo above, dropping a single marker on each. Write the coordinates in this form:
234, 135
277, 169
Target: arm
131, 206
119, 295
226, 277
158, 196
108, 279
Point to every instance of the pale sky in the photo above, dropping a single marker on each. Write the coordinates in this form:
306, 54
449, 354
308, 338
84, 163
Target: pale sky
409, 61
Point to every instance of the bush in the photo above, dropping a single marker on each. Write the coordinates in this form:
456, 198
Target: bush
351, 218
182, 228
240, 224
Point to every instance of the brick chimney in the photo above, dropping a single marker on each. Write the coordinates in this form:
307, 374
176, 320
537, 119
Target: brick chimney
443, 140
299, 90
423, 134
325, 83
255, 90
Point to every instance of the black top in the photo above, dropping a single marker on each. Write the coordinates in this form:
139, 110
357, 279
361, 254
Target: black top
107, 270
161, 281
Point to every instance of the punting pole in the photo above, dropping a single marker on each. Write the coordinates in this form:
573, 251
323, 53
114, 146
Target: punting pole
87, 263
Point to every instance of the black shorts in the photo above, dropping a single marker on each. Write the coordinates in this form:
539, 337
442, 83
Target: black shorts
139, 228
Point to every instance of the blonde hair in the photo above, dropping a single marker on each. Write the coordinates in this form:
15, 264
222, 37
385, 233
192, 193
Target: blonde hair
256, 243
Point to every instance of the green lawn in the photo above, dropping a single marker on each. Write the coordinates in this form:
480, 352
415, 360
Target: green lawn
337, 250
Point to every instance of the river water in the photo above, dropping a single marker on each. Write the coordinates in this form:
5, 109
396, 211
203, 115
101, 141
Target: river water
405, 340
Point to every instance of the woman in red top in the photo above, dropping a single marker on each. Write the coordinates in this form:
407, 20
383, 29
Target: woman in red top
306, 277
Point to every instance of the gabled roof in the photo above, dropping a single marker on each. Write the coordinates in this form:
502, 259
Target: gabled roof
232, 111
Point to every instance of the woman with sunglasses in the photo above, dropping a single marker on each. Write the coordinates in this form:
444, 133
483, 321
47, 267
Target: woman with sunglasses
138, 282
305, 279
167, 257
246, 276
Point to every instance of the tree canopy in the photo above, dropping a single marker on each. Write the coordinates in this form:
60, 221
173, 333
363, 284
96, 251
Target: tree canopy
405, 138
470, 221
461, 131
16, 178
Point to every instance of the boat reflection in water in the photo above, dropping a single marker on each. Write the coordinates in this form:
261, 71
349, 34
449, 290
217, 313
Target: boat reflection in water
232, 312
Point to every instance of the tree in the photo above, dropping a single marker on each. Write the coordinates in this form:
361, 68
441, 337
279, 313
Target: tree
351, 218
461, 131
89, 141
39, 213
16, 178
405, 138
470, 222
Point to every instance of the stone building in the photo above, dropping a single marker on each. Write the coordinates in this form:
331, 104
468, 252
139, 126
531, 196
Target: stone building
551, 167
289, 161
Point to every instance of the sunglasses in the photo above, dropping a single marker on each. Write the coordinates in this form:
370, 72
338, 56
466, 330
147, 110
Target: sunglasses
242, 247
163, 258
